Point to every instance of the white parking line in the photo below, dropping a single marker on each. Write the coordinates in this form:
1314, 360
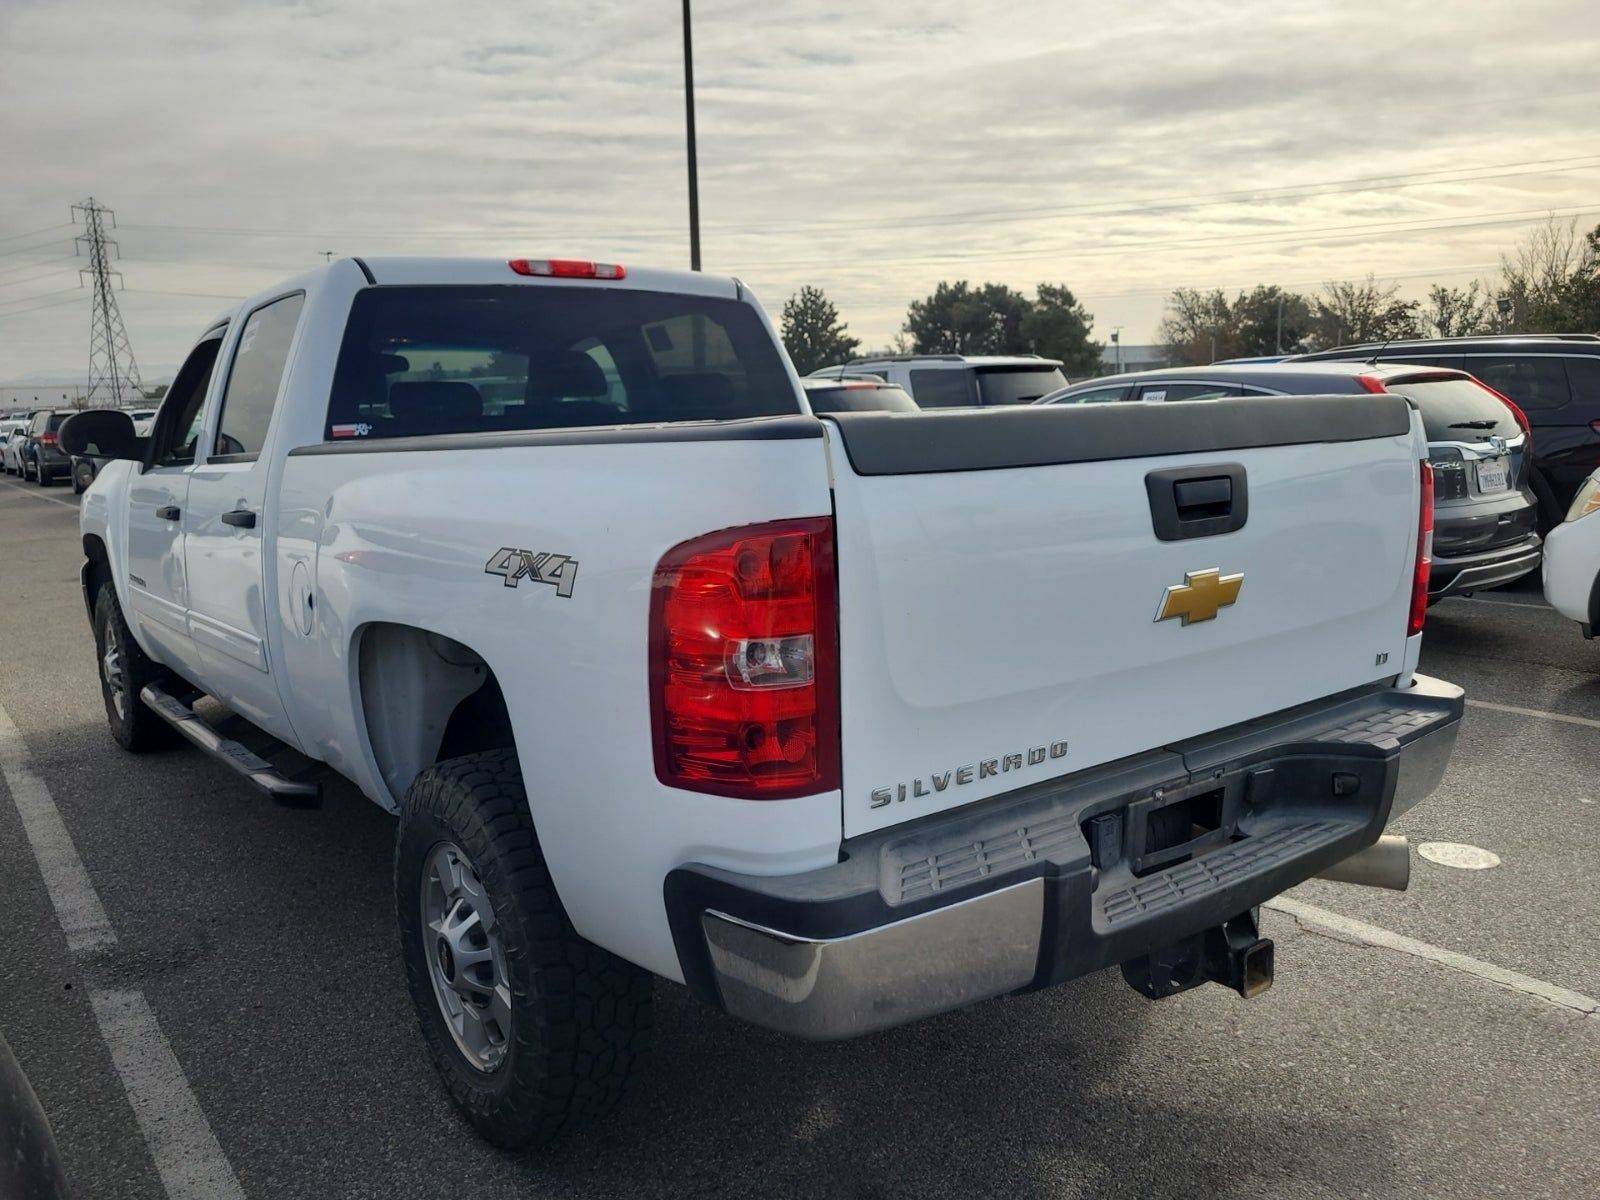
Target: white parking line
78, 908
188, 1159
1534, 712
1501, 603
186, 1153
1372, 935
18, 488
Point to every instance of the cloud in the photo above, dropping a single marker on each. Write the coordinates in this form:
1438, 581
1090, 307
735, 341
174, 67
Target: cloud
858, 146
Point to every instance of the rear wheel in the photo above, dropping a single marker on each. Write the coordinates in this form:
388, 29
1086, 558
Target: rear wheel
532, 1028
125, 670
41, 476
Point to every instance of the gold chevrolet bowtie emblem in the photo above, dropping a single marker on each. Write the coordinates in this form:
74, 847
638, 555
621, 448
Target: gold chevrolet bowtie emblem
1200, 596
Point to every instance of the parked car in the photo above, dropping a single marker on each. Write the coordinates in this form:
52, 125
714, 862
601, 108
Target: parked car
865, 393
1485, 519
42, 456
1553, 378
1572, 560
664, 674
83, 470
957, 380
12, 433
143, 419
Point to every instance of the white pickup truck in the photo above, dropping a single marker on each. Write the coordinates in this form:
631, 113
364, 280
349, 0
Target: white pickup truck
840, 721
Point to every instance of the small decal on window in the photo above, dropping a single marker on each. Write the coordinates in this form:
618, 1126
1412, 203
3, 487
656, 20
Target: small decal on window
359, 429
513, 566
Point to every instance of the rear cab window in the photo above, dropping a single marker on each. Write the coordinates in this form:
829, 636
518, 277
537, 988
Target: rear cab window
1456, 409
417, 361
1017, 385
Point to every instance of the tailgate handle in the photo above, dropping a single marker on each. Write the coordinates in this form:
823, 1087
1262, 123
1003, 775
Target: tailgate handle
1191, 502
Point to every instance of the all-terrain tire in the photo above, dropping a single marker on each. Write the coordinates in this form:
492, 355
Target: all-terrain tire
136, 728
580, 1016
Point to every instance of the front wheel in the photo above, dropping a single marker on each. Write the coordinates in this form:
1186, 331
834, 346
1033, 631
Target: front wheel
125, 669
533, 1029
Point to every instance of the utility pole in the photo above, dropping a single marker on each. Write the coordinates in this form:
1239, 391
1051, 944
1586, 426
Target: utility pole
1280, 323
111, 367
1116, 340
694, 166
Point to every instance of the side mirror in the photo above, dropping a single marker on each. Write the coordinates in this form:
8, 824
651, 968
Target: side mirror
101, 433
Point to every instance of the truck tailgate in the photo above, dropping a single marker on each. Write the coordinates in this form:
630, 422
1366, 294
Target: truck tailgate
1002, 585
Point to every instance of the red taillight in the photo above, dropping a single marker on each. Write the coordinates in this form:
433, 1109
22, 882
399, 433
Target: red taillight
1371, 382
568, 268
744, 662
1516, 411
1419, 580
49, 439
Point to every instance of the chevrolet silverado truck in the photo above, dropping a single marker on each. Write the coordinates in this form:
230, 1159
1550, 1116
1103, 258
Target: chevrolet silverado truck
841, 721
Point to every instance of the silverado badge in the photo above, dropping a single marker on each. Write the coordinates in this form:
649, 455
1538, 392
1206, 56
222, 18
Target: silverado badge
1200, 596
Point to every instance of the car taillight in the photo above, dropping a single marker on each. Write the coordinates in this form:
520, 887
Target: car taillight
48, 439
744, 662
568, 268
1419, 579
1516, 412
1371, 382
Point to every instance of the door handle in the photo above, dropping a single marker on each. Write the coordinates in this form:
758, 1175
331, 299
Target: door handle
167, 512
240, 518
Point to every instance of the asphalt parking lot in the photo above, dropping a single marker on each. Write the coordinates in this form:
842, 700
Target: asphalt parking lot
242, 1027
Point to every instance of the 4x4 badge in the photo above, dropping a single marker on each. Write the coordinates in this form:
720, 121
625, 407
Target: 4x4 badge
1200, 596
513, 566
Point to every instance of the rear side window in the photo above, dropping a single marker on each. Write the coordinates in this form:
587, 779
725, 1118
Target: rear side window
943, 389
255, 378
437, 360
1008, 385
1457, 410
1534, 383
1189, 391
859, 399
1583, 376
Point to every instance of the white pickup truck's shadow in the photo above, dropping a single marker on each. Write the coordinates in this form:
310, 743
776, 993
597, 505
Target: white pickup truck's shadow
264, 938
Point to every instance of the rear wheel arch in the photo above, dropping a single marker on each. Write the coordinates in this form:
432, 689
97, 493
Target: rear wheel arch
424, 698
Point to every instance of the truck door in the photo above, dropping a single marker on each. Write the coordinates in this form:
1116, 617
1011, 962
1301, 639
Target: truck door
158, 597
225, 525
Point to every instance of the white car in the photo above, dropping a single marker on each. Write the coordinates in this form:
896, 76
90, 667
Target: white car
10, 445
842, 721
1572, 560
959, 380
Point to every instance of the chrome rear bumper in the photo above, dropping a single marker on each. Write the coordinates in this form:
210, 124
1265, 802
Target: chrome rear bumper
1009, 894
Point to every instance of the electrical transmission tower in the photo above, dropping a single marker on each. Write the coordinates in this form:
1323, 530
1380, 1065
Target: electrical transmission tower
112, 371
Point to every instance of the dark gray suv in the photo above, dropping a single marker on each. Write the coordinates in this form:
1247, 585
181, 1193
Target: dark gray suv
1485, 514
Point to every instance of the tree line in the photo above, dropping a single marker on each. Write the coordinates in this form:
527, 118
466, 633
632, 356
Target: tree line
1549, 283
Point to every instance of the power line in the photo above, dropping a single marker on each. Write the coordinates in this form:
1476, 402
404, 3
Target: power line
11, 237
38, 296
17, 312
1328, 233
1131, 206
112, 369
45, 245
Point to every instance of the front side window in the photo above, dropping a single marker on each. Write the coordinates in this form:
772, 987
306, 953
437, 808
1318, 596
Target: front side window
177, 429
459, 359
256, 376
1101, 395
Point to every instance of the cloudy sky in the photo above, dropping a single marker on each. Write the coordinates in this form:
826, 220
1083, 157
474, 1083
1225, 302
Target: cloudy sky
870, 148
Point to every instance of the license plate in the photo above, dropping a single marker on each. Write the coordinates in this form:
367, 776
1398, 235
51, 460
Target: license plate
1492, 477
